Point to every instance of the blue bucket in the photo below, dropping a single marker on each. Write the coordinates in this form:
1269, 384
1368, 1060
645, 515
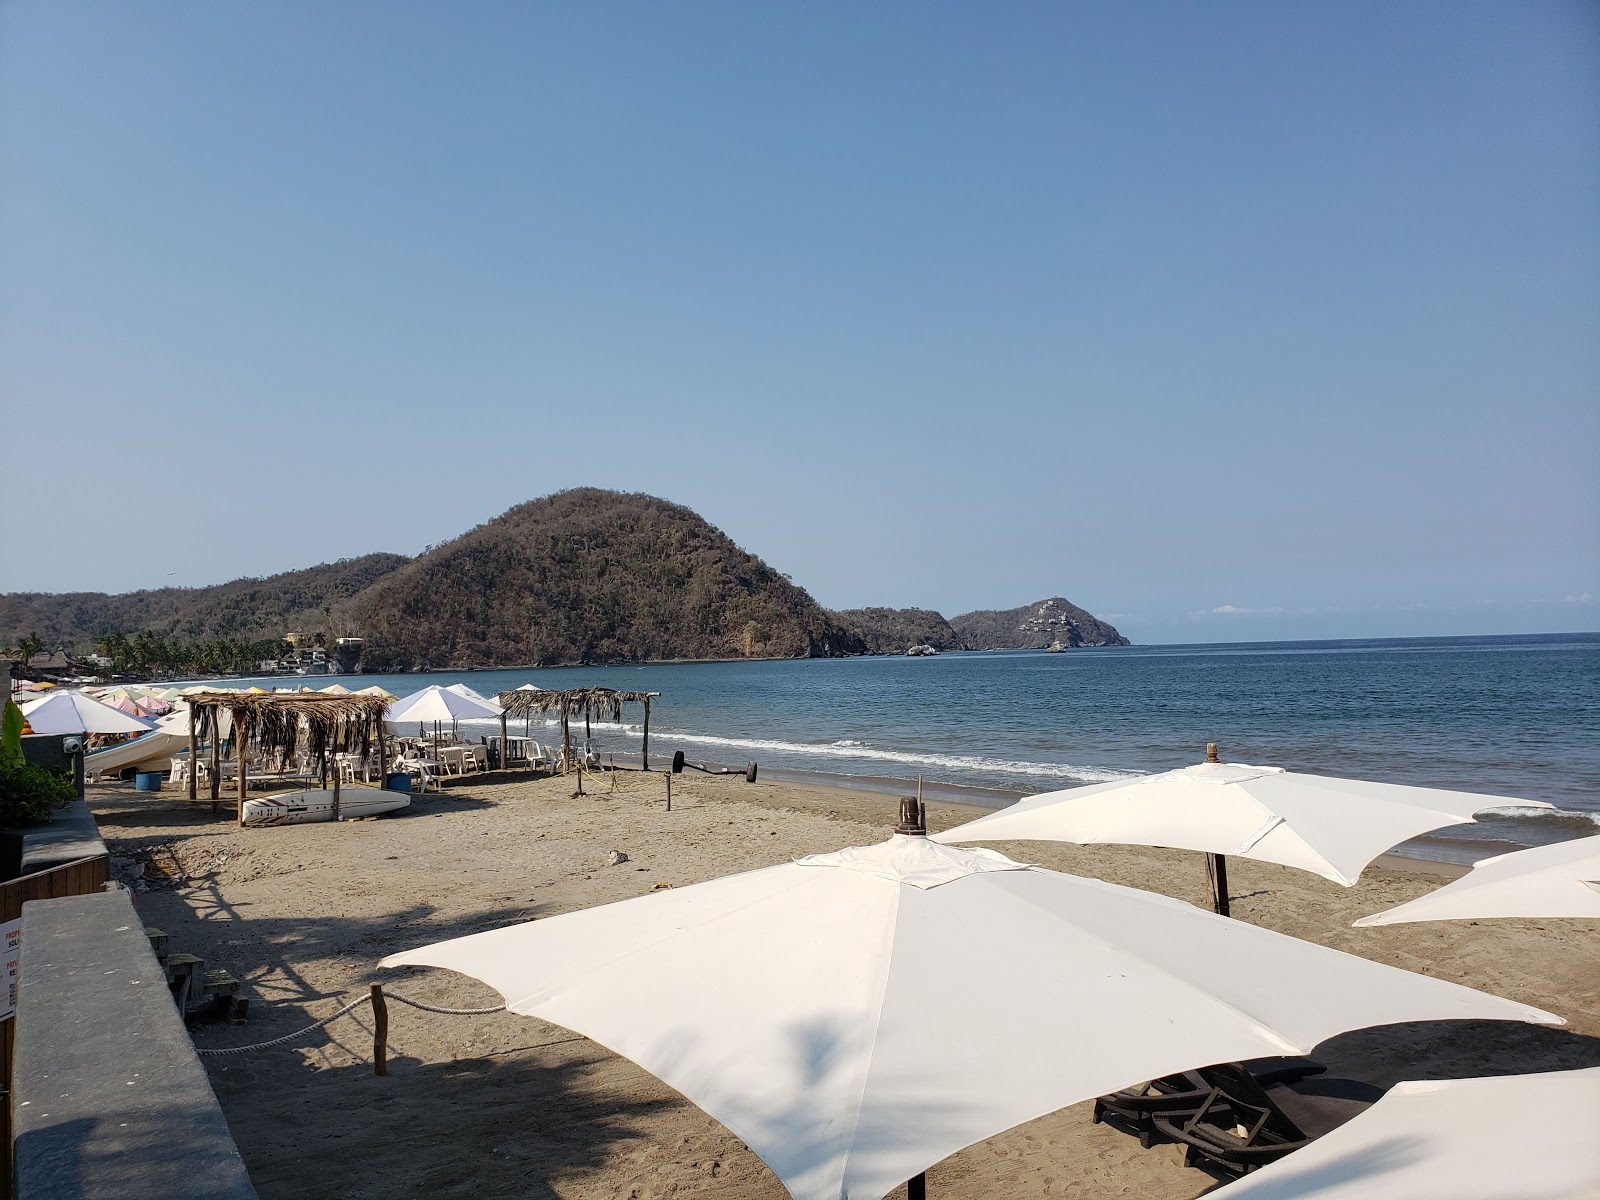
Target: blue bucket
147, 781
398, 782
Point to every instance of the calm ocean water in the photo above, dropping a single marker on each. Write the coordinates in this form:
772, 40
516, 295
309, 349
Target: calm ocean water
1515, 716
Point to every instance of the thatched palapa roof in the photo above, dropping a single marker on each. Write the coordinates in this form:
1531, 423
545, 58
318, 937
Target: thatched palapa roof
329, 723
600, 703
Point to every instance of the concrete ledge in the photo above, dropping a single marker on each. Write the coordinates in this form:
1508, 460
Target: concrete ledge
70, 836
109, 1100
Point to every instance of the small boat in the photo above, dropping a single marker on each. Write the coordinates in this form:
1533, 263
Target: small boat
316, 804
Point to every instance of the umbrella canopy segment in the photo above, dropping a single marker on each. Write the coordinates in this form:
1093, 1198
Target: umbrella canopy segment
1331, 827
1560, 880
462, 689
1528, 1136
435, 703
73, 712
856, 1017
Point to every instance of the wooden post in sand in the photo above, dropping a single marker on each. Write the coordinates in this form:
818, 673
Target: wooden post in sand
505, 744
242, 743
1217, 864
216, 758
645, 753
669, 790
566, 742
194, 757
380, 1031
338, 728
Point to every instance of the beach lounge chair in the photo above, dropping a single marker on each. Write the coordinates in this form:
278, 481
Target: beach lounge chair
1240, 1125
1181, 1096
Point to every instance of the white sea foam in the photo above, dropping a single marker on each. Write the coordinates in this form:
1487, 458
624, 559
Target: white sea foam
946, 762
846, 749
1568, 814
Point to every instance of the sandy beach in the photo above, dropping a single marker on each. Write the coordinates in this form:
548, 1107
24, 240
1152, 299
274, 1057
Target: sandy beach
508, 1106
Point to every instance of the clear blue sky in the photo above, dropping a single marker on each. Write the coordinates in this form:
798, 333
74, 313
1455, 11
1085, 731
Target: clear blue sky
1226, 321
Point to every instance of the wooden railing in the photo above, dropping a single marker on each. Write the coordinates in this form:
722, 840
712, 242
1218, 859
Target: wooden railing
68, 879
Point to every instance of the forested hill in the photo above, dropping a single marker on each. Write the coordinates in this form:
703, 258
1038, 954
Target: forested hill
1035, 627
244, 610
895, 630
590, 576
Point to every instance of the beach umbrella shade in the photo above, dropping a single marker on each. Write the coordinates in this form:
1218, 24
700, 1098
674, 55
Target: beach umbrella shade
462, 689
855, 1017
1331, 827
439, 705
435, 703
1559, 880
73, 712
1527, 1136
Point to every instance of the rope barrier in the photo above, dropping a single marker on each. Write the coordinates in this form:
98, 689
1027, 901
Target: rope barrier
346, 1010
288, 1037
449, 1012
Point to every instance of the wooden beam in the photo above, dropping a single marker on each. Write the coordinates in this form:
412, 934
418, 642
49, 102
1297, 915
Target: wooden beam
194, 756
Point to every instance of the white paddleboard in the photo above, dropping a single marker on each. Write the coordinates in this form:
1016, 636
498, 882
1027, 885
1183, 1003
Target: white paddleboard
316, 804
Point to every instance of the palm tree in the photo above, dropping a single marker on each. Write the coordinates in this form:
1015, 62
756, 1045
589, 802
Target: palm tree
27, 647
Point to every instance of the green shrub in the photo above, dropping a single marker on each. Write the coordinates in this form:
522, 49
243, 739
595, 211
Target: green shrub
29, 794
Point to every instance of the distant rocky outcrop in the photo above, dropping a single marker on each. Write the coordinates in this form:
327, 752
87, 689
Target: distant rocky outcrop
896, 630
1034, 627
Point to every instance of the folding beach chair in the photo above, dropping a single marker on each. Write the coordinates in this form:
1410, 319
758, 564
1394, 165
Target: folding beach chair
1240, 1126
1175, 1097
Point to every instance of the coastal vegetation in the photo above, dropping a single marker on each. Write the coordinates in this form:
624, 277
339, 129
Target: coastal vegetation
243, 610
896, 630
1038, 626
590, 576
581, 576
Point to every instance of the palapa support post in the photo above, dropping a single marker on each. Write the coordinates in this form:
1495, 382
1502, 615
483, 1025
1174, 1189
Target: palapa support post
383, 758
505, 745
194, 756
668, 774
380, 1031
336, 772
216, 758
243, 746
644, 752
566, 742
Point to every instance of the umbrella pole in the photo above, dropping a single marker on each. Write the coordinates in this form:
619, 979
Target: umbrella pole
1217, 871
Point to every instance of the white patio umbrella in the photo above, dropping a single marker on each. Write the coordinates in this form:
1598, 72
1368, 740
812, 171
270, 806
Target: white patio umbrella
1525, 1136
73, 712
462, 689
1560, 880
435, 703
439, 704
856, 1017
1331, 827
